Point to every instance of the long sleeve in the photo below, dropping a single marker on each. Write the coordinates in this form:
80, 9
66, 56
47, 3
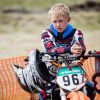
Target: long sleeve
79, 40
49, 44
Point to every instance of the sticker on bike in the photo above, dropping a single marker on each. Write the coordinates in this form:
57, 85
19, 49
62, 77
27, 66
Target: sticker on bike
71, 79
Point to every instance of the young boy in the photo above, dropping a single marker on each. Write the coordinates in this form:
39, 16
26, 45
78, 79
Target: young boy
62, 37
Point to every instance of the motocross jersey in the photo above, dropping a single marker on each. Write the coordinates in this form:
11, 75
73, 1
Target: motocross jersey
54, 42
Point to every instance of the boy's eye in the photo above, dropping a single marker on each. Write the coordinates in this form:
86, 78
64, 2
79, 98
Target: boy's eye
60, 20
54, 21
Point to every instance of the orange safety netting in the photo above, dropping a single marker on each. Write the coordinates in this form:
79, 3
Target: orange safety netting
10, 88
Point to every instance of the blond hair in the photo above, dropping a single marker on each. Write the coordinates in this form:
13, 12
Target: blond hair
59, 10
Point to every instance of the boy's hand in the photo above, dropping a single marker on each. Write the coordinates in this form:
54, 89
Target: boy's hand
76, 50
34, 96
96, 81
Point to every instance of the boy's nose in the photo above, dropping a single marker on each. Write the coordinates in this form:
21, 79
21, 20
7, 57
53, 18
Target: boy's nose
58, 24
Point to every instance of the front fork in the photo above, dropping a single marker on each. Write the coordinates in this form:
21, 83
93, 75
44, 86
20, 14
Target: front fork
62, 95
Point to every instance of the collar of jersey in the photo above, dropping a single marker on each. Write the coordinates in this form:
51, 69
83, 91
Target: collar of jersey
66, 33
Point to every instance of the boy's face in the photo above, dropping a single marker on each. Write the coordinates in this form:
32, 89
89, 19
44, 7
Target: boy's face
60, 23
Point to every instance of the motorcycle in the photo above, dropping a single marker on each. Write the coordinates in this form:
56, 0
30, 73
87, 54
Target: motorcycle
70, 78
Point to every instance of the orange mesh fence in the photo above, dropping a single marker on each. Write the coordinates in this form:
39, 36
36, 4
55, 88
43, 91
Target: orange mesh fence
11, 90
9, 87
89, 66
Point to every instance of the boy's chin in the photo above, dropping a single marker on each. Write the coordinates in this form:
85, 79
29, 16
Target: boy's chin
59, 30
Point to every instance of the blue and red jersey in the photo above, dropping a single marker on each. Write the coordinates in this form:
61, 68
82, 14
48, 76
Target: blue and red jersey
61, 42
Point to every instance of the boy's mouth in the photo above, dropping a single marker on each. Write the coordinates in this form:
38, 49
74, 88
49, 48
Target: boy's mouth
59, 28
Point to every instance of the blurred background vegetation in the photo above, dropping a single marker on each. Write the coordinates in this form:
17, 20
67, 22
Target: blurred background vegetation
22, 21
39, 3
36, 3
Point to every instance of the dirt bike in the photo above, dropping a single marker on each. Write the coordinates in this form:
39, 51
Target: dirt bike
69, 81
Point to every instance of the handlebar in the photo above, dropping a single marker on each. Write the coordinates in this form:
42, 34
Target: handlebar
60, 57
67, 56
